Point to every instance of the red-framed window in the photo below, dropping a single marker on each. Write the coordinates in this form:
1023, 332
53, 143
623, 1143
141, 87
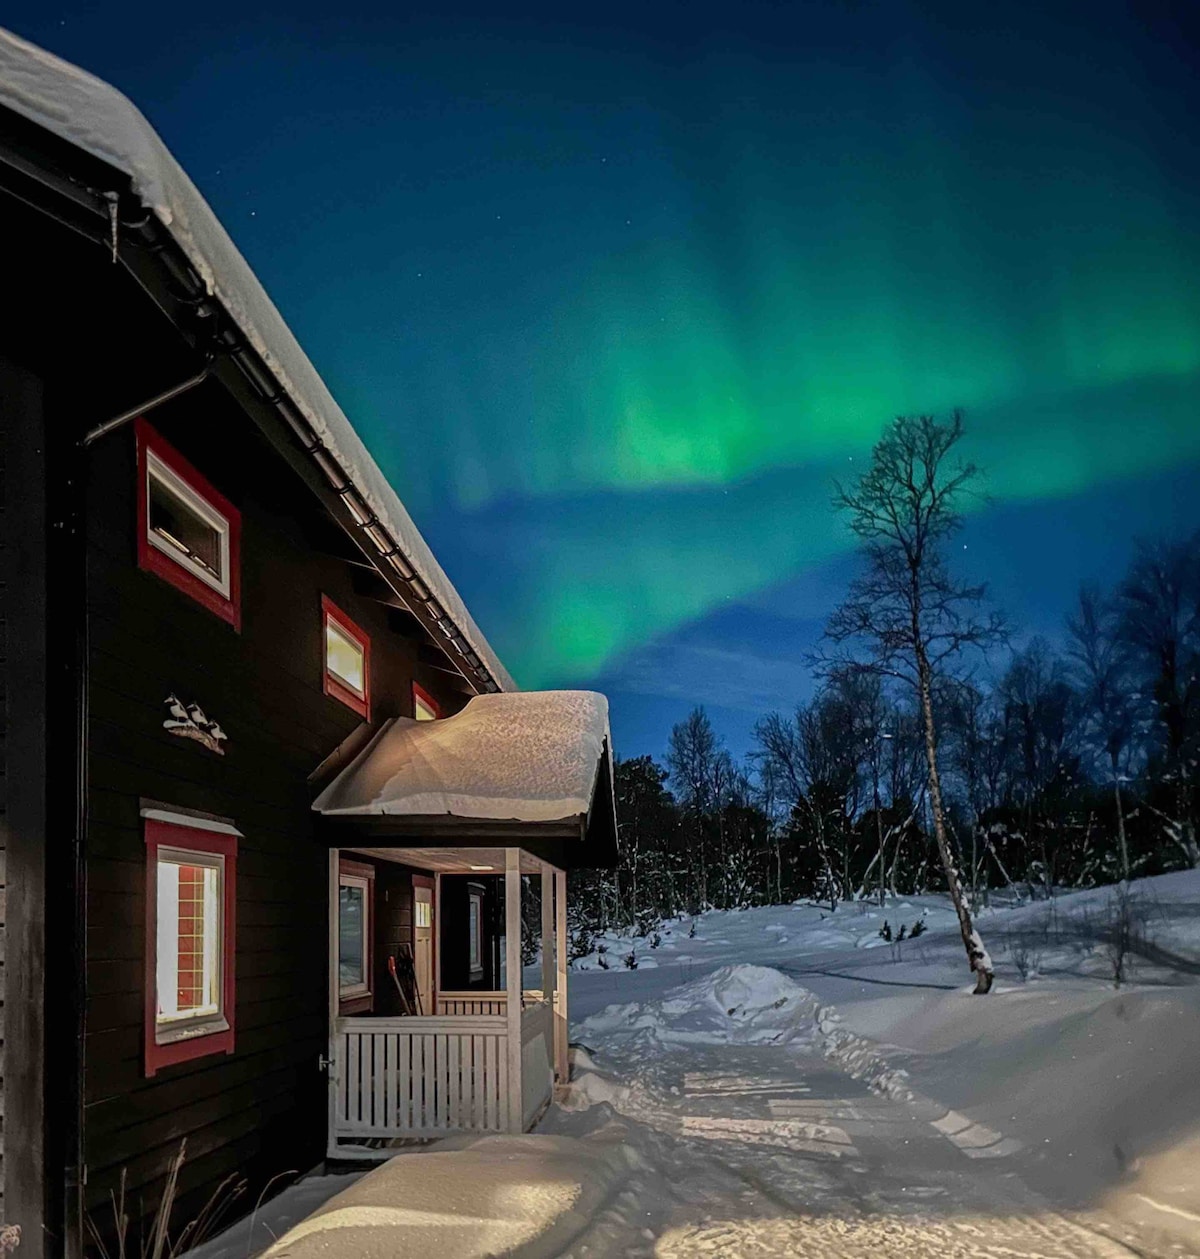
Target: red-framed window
347, 659
356, 929
425, 707
188, 533
191, 887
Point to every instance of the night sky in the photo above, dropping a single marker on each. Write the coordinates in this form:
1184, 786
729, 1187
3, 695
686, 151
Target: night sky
613, 294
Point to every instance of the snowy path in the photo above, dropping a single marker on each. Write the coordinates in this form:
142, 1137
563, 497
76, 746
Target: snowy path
754, 1150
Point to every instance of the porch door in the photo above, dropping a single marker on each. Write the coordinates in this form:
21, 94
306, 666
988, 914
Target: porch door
423, 945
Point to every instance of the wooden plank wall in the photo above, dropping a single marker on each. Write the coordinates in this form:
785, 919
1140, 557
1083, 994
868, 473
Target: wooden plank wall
23, 800
261, 1110
6, 417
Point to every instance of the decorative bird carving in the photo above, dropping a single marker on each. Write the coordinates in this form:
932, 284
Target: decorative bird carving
175, 708
196, 714
215, 732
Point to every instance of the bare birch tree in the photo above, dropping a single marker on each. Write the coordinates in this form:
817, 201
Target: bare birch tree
915, 618
1101, 666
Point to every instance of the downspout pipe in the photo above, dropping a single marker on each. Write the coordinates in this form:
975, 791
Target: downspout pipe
101, 430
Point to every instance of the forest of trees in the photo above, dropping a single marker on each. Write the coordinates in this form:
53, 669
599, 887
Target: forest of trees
1074, 765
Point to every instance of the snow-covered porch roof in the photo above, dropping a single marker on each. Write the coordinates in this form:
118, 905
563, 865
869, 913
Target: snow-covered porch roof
520, 768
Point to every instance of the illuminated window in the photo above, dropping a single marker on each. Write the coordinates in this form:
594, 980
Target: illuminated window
189, 999
355, 883
347, 660
423, 914
425, 707
188, 534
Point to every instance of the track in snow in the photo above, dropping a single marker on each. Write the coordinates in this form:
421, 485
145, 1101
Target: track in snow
772, 1151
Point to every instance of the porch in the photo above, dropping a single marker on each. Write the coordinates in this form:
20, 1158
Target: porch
514, 789
485, 1060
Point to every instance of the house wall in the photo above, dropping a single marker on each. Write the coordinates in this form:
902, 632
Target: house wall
454, 938
97, 345
24, 801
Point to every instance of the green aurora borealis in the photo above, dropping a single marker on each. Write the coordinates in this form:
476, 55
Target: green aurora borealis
614, 297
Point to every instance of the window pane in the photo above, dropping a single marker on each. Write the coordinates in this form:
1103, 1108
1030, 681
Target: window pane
352, 959
344, 658
189, 940
185, 529
476, 915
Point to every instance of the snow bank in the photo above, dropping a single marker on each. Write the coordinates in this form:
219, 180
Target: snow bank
469, 1198
734, 1005
94, 117
525, 756
739, 1005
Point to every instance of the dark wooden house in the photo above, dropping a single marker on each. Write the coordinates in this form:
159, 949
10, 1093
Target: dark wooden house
269, 799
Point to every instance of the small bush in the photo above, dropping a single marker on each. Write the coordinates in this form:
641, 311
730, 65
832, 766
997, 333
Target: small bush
630, 960
1026, 956
692, 930
885, 932
602, 962
918, 928
1122, 931
655, 940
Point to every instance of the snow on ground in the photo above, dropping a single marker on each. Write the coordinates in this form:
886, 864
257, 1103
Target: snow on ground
784, 1082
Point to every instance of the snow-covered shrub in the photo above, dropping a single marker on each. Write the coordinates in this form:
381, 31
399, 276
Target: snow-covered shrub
580, 943
655, 940
648, 921
918, 928
630, 960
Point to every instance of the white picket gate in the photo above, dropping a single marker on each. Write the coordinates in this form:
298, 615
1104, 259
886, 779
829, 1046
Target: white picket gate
417, 1078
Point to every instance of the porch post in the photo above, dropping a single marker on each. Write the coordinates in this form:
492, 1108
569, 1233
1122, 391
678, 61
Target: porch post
437, 941
548, 965
561, 1066
513, 980
333, 1065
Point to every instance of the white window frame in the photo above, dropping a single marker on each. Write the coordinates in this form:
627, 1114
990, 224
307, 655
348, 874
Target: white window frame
157, 470
351, 992
332, 623
475, 943
168, 1030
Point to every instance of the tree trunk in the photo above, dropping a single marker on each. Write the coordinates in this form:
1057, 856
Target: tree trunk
1121, 826
977, 955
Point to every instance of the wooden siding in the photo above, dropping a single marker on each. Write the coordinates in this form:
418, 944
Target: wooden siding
262, 1109
264, 686
7, 387
23, 801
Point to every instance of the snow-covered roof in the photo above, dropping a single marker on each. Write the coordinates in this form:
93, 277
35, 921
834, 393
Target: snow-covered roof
95, 117
528, 756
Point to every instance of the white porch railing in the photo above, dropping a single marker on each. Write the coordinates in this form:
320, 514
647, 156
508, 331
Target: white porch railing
478, 1001
537, 1060
471, 1002
418, 1077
